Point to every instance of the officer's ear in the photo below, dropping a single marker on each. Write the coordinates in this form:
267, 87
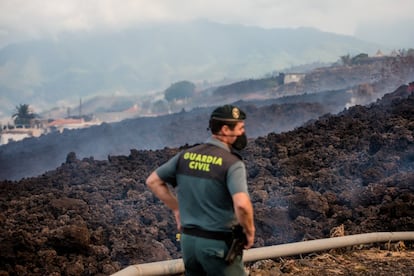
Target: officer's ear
225, 129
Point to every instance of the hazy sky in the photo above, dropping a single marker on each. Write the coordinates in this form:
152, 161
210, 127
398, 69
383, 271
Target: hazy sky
375, 20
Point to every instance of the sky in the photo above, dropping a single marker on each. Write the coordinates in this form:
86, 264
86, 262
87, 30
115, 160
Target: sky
388, 22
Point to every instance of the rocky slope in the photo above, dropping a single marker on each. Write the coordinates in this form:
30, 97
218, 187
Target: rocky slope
80, 65
275, 109
90, 217
47, 152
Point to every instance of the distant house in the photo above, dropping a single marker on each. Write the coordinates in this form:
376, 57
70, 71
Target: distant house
17, 134
39, 127
379, 53
286, 78
70, 123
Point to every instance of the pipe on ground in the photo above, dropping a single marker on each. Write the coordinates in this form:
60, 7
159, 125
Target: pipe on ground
176, 266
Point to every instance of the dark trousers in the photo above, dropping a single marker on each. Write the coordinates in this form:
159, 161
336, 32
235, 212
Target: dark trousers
203, 256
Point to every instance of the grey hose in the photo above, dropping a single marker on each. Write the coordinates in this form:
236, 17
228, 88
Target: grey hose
176, 266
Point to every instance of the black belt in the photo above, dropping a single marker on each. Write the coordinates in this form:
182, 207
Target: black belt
214, 235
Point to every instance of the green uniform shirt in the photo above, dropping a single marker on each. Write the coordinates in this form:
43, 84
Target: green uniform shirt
206, 177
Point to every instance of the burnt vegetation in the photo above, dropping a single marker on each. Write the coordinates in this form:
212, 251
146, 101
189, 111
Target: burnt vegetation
77, 206
94, 217
272, 107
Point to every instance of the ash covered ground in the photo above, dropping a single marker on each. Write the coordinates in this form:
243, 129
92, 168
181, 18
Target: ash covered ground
353, 170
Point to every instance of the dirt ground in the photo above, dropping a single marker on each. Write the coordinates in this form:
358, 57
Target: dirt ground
359, 262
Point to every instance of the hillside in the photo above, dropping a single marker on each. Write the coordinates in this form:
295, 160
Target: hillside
50, 73
276, 109
89, 217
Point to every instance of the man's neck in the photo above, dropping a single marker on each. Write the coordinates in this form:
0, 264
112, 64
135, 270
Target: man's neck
222, 139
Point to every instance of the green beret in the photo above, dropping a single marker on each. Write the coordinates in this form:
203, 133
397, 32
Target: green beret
228, 113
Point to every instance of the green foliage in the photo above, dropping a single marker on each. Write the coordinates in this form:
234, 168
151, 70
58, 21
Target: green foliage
247, 86
407, 53
346, 60
359, 58
23, 115
179, 90
159, 107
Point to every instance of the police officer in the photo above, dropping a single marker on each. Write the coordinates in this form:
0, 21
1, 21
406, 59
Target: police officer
212, 197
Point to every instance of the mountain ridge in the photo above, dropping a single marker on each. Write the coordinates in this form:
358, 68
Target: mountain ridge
136, 61
345, 86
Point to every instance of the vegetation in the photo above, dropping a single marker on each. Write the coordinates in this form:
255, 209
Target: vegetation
247, 86
348, 60
159, 107
23, 115
179, 91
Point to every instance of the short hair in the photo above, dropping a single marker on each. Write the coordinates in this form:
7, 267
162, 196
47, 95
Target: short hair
215, 125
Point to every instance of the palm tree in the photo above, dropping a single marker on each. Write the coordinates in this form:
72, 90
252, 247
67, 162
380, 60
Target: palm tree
23, 116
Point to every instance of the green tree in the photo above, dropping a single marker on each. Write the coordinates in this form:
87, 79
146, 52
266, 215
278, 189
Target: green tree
179, 91
160, 107
410, 52
23, 115
346, 60
359, 58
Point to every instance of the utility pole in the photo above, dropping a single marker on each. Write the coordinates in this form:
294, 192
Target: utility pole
80, 108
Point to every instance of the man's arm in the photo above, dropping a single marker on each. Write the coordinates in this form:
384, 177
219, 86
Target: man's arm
161, 190
244, 213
